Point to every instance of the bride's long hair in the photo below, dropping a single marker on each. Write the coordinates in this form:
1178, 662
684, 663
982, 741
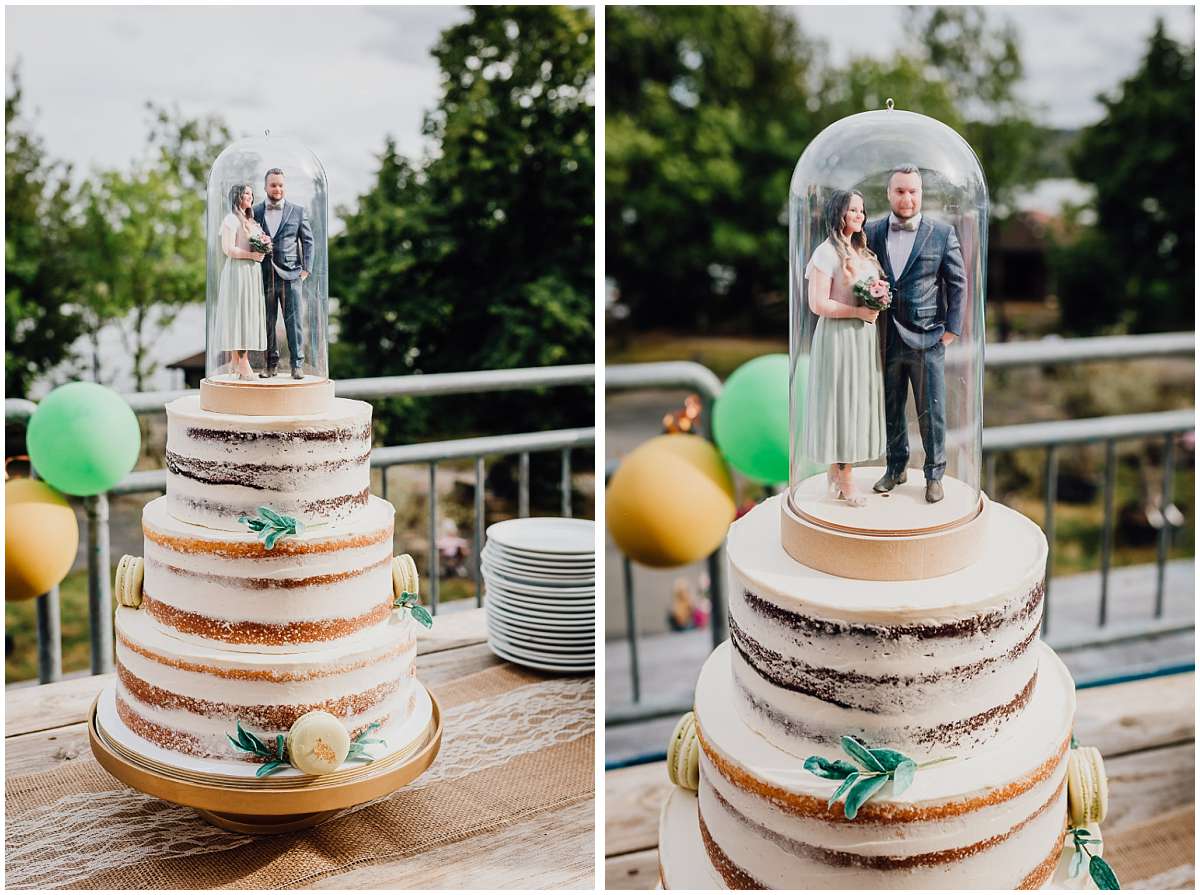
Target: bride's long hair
235, 199
836, 207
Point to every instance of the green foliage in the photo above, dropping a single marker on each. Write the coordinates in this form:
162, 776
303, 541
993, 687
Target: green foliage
40, 324
709, 109
1135, 270
123, 245
140, 234
481, 255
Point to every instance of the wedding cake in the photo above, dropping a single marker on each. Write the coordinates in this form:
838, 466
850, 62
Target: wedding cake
947, 670
884, 715
232, 631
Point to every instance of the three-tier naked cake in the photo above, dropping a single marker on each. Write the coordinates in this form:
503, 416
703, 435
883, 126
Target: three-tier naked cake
230, 631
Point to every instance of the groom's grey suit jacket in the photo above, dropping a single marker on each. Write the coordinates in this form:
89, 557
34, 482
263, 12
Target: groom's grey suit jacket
928, 295
292, 243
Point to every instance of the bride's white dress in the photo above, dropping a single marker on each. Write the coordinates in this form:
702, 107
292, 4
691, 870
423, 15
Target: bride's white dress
241, 317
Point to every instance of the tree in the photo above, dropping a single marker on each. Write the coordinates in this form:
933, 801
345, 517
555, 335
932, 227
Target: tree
40, 323
979, 67
707, 110
1135, 270
480, 256
141, 235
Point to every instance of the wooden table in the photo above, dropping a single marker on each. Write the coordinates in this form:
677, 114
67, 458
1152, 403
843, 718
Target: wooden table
1145, 730
46, 726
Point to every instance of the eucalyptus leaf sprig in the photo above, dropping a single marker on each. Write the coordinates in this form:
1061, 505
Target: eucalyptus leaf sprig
875, 768
411, 602
358, 746
1102, 875
248, 742
271, 526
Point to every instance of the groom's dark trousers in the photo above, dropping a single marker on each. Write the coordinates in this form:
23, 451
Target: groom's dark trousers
286, 293
924, 369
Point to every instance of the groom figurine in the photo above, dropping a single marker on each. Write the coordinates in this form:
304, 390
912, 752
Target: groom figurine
924, 266
284, 270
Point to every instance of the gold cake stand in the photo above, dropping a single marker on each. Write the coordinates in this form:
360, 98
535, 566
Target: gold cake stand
282, 805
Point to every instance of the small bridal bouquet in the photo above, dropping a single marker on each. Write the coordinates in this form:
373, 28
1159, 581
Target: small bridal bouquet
260, 242
874, 292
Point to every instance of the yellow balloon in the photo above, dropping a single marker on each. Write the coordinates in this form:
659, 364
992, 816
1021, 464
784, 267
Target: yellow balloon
670, 501
41, 537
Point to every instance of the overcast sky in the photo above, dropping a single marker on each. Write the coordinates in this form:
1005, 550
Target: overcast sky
338, 78
341, 78
1070, 53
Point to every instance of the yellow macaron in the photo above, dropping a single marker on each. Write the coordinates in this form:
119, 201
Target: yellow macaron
683, 754
404, 576
1087, 786
127, 584
317, 743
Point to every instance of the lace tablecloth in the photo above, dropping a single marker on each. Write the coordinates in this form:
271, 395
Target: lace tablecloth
517, 746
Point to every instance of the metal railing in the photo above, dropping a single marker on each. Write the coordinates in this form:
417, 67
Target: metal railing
1050, 436
431, 453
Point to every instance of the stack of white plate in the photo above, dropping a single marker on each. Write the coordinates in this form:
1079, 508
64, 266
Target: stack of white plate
540, 584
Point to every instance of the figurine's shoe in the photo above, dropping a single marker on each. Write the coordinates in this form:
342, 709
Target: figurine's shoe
854, 498
268, 373
832, 486
297, 373
933, 491
890, 480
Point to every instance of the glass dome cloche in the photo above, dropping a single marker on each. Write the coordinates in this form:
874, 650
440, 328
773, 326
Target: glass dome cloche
888, 216
267, 293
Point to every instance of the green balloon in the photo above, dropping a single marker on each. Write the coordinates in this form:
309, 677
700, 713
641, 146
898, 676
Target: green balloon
750, 420
83, 438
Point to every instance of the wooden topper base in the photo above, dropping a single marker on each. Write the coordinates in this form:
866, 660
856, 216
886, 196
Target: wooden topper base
267, 397
883, 557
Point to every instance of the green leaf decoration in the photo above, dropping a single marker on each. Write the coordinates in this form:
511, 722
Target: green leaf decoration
271, 526
1102, 874
1074, 742
279, 746
889, 758
841, 790
410, 602
861, 754
876, 768
830, 770
861, 791
269, 768
1076, 864
902, 776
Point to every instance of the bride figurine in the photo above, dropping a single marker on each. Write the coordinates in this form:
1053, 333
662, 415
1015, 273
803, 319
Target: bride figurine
241, 324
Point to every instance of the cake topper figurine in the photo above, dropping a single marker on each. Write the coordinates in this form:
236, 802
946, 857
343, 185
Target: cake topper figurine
241, 325
845, 394
923, 263
284, 270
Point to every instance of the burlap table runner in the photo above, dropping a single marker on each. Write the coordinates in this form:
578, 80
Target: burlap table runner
1156, 854
515, 743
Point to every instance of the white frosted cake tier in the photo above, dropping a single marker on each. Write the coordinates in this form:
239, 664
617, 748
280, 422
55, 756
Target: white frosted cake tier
188, 697
226, 589
992, 817
920, 665
314, 467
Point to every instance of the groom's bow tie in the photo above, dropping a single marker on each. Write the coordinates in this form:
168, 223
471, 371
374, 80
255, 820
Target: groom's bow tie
274, 207
910, 225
